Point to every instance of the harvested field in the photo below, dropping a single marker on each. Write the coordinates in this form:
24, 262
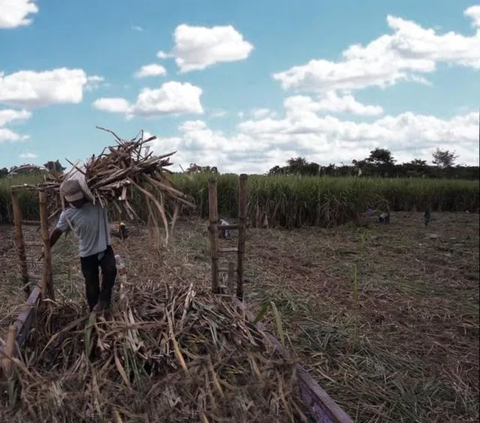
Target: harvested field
386, 318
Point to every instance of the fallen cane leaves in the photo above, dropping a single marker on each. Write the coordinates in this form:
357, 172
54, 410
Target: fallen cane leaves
171, 352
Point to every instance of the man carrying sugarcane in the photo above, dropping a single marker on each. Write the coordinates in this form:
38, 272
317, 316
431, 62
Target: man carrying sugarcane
90, 223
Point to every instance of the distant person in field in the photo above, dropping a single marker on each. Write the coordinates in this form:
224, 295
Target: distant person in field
427, 217
90, 223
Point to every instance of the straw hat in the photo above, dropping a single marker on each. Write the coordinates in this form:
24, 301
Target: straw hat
71, 190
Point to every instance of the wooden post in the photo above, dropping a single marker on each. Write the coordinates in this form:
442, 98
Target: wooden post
242, 218
9, 351
17, 217
47, 278
213, 217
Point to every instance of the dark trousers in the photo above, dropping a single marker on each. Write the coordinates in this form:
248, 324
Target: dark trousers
90, 272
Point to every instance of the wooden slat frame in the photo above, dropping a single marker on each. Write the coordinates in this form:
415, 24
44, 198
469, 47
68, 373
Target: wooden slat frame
21, 327
325, 408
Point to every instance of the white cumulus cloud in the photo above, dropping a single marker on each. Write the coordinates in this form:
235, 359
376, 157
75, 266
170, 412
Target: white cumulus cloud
28, 155
15, 13
259, 113
37, 89
95, 82
258, 145
198, 47
410, 53
7, 116
330, 102
150, 70
473, 12
114, 105
8, 135
171, 98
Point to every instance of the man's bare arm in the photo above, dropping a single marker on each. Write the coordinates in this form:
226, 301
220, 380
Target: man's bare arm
55, 236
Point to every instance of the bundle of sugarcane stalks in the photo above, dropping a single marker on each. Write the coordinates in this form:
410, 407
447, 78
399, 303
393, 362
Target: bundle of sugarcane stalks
124, 172
170, 354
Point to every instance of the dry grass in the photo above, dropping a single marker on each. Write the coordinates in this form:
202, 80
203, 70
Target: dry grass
172, 350
384, 317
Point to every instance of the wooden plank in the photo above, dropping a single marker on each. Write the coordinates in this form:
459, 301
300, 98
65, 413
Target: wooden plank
18, 187
26, 317
325, 408
242, 218
213, 218
228, 250
31, 222
23, 325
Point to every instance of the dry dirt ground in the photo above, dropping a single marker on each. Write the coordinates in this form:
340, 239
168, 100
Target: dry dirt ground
386, 318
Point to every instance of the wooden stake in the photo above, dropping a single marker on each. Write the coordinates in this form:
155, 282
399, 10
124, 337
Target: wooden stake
47, 279
213, 217
9, 351
17, 217
242, 218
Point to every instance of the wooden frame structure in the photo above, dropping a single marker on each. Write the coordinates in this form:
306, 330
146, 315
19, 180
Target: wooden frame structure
46, 279
19, 330
215, 228
324, 409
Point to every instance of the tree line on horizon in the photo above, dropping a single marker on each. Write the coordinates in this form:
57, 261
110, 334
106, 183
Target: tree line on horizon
380, 163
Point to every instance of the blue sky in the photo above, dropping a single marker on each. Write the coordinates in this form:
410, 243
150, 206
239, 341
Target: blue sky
241, 85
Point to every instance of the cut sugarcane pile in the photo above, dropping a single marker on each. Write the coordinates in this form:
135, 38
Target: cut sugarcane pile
169, 355
119, 171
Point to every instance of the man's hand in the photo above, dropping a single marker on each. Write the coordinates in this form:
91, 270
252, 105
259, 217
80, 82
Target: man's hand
43, 254
56, 234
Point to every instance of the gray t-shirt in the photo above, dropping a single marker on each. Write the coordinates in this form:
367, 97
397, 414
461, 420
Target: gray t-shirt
90, 223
